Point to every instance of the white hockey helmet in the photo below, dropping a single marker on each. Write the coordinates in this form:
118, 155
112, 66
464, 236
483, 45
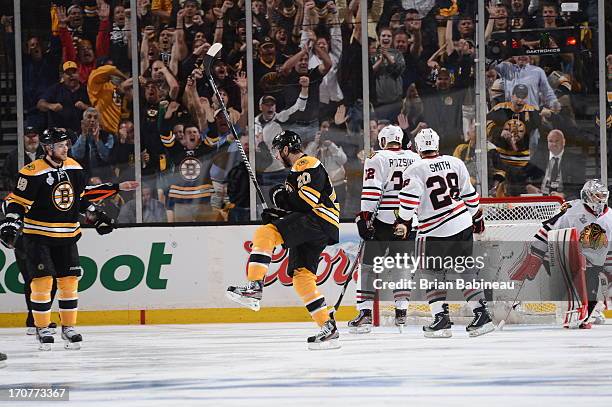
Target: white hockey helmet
389, 134
427, 140
594, 194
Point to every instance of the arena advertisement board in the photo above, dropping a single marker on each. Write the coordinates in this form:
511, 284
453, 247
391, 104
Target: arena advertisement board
179, 267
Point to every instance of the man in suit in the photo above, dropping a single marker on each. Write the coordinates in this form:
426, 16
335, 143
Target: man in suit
556, 171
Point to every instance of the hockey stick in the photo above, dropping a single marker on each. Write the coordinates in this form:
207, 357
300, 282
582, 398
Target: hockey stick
208, 61
515, 304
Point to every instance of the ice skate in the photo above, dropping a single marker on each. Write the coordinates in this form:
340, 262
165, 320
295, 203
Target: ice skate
362, 323
2, 360
247, 295
31, 330
400, 319
72, 339
482, 322
597, 316
441, 326
327, 338
45, 337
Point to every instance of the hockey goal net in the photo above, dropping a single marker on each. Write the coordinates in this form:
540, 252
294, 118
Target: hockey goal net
511, 224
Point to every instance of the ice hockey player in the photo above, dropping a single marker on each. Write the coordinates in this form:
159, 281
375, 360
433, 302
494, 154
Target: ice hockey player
305, 220
591, 218
94, 193
45, 207
438, 188
382, 176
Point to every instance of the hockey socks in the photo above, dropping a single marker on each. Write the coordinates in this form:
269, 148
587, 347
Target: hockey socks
266, 238
305, 284
41, 300
68, 299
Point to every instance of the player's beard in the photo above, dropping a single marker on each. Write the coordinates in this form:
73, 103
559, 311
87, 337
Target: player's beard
286, 161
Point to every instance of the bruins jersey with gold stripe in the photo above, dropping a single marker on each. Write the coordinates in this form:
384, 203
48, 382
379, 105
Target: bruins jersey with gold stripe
513, 151
50, 199
310, 191
190, 180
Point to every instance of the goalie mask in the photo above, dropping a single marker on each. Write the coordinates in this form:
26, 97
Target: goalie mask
390, 134
594, 194
427, 140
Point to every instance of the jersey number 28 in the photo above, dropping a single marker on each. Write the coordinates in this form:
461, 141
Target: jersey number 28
446, 190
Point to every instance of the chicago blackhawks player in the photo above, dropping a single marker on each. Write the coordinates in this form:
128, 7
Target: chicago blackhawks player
592, 219
439, 190
382, 176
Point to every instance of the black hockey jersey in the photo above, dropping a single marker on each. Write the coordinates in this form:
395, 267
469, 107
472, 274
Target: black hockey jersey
310, 191
513, 151
50, 199
190, 179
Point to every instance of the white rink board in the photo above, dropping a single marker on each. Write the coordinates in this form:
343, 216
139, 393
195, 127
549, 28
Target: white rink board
191, 268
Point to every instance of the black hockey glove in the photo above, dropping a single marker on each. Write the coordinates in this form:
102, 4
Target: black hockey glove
362, 221
10, 228
271, 214
279, 196
478, 225
103, 223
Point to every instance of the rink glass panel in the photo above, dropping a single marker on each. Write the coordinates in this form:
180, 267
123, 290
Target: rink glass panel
8, 95
576, 88
563, 46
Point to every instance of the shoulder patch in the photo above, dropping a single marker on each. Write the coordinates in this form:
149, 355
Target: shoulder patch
372, 153
305, 163
36, 167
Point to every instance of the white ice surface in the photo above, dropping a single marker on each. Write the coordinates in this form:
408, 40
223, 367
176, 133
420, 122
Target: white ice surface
269, 365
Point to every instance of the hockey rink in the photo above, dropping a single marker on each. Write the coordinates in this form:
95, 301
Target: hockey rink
269, 365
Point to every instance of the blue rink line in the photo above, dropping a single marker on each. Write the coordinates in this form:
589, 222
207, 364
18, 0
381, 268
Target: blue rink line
358, 382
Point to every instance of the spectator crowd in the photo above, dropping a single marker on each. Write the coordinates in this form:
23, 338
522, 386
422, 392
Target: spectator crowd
307, 77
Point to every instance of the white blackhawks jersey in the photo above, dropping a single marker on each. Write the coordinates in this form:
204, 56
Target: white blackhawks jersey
385, 167
440, 191
594, 232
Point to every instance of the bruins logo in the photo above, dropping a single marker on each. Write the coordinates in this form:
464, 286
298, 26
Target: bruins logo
516, 127
372, 153
63, 196
190, 168
564, 207
593, 237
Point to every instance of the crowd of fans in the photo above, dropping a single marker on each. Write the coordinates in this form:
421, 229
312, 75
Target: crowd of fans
307, 77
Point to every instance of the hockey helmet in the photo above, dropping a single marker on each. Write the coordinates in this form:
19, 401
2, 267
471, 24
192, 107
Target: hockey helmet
287, 138
390, 134
54, 135
427, 140
594, 194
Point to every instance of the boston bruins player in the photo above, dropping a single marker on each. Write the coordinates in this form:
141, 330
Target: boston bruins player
305, 221
45, 207
438, 188
592, 219
382, 176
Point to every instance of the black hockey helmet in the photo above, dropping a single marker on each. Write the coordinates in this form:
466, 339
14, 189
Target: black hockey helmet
287, 138
54, 135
